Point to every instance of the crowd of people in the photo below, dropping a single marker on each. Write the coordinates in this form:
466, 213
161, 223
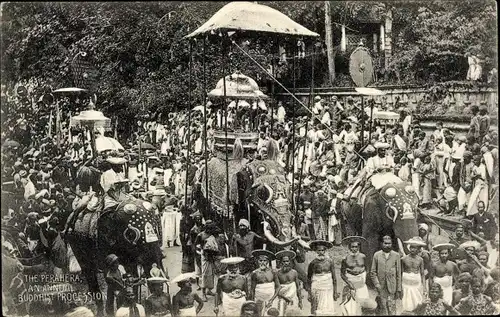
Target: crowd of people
164, 161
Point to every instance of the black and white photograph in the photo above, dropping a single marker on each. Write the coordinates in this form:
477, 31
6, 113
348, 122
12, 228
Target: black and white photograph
249, 158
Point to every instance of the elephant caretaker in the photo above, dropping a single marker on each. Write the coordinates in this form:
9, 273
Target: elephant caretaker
353, 271
444, 272
321, 277
244, 244
183, 301
413, 280
231, 288
386, 276
289, 281
158, 303
379, 161
264, 282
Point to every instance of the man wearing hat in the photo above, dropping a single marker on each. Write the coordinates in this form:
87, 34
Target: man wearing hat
158, 303
289, 281
264, 280
444, 272
413, 279
244, 244
231, 288
321, 277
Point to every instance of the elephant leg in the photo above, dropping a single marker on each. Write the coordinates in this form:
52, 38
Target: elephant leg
372, 246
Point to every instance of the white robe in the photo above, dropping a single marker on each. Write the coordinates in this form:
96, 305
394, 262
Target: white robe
231, 305
322, 292
288, 291
375, 162
412, 291
446, 285
480, 191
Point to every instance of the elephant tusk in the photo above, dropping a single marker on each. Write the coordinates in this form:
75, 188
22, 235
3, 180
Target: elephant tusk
304, 244
269, 235
301, 242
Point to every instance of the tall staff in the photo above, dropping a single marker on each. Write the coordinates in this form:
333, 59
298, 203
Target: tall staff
188, 163
205, 121
311, 101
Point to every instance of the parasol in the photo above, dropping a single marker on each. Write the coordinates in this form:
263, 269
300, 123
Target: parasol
10, 144
91, 118
69, 90
145, 146
238, 86
251, 17
105, 144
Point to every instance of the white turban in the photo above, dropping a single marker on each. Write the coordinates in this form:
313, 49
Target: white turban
423, 226
244, 222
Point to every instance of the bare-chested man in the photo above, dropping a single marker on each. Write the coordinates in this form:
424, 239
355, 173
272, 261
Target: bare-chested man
183, 301
413, 279
444, 272
244, 244
264, 280
321, 276
353, 272
231, 288
289, 281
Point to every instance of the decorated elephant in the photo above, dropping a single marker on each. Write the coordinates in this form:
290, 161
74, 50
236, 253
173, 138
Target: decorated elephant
387, 206
259, 192
113, 222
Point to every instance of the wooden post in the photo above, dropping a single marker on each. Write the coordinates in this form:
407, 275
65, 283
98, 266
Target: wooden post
329, 43
343, 40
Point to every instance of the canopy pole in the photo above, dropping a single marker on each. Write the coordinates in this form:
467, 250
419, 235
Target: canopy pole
205, 123
372, 103
311, 104
362, 121
291, 153
188, 163
223, 51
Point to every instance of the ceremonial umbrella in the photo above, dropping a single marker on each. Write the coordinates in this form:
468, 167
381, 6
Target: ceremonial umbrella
105, 144
145, 146
251, 17
10, 144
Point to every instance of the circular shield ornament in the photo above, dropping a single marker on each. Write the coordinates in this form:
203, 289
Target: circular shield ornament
361, 66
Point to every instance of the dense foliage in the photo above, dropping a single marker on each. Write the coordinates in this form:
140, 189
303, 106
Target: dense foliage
141, 58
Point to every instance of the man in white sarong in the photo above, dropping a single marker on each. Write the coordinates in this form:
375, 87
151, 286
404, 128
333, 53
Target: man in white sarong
413, 279
480, 189
353, 272
169, 220
289, 281
231, 288
264, 281
444, 272
321, 277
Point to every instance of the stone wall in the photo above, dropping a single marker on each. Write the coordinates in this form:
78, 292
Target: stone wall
452, 106
454, 102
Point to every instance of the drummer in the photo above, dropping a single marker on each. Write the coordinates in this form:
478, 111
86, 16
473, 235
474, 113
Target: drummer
158, 303
231, 288
444, 272
353, 271
183, 301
